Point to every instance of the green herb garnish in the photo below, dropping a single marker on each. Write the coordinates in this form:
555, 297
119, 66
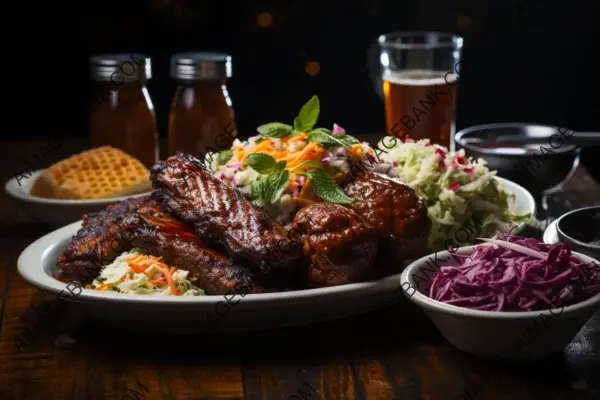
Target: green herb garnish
326, 138
262, 163
224, 156
275, 130
273, 180
116, 289
309, 113
326, 188
308, 163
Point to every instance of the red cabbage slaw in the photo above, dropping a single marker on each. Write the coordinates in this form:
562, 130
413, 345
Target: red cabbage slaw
513, 273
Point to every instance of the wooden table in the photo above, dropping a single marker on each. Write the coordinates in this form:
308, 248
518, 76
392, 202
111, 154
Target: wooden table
393, 353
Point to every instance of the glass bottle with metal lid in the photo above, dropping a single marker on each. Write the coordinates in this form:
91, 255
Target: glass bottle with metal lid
201, 117
122, 114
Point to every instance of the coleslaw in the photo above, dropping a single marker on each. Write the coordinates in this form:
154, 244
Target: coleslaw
457, 190
285, 167
134, 272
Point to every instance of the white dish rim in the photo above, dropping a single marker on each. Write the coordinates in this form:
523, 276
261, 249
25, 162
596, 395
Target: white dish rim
530, 200
13, 189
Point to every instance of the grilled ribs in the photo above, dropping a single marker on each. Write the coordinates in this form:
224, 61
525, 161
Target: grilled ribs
396, 212
140, 223
99, 241
340, 244
221, 214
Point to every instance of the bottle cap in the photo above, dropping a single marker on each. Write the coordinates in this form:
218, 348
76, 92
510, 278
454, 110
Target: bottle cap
119, 68
201, 66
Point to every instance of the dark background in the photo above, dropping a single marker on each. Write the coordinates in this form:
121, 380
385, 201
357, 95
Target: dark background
529, 61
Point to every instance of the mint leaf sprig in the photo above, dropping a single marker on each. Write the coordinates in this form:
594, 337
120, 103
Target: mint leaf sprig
305, 122
275, 130
264, 163
309, 113
326, 187
306, 119
326, 138
269, 186
274, 178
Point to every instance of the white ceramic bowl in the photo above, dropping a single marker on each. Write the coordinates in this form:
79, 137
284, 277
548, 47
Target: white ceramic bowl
523, 203
496, 335
54, 211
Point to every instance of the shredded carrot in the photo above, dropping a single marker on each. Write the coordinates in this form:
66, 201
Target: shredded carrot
298, 137
238, 154
169, 277
137, 268
105, 287
306, 188
312, 151
139, 263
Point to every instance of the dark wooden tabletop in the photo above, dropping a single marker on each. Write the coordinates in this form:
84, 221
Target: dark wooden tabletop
391, 353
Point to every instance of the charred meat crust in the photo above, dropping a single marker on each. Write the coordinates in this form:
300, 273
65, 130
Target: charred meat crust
140, 223
99, 241
398, 215
221, 214
210, 270
340, 244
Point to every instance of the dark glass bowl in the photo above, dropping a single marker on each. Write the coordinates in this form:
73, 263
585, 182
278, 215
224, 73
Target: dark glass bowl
581, 228
538, 157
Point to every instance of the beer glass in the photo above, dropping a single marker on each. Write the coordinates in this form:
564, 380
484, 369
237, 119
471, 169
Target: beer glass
420, 73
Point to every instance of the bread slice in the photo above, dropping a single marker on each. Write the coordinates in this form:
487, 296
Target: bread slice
99, 173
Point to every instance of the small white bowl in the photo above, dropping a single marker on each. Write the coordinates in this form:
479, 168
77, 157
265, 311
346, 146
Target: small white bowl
55, 212
495, 335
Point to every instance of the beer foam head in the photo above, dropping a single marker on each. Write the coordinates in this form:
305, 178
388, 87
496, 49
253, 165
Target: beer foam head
420, 77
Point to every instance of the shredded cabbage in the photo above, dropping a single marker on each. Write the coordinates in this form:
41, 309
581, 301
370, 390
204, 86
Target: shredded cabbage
516, 274
463, 199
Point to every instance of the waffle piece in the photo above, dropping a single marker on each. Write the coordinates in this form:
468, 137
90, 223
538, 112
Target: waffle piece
101, 172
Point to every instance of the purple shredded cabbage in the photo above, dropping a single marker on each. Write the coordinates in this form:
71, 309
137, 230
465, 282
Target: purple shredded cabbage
494, 278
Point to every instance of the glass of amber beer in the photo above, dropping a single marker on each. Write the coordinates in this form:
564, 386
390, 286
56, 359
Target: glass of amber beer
420, 72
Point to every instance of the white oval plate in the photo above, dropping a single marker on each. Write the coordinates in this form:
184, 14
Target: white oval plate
217, 313
55, 212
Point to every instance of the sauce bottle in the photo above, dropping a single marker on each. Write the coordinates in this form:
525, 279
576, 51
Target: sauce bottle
122, 113
201, 117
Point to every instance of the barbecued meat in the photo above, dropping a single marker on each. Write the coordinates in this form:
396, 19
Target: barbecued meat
210, 270
98, 242
397, 213
190, 192
340, 244
140, 223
